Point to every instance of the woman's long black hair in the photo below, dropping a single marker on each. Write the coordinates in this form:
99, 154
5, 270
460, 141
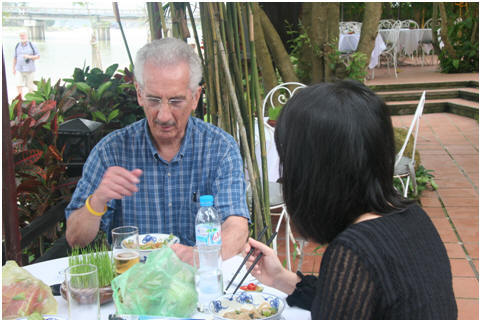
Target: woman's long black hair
336, 149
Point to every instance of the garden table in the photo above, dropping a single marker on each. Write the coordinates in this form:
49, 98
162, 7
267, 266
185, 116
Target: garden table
348, 44
409, 39
51, 272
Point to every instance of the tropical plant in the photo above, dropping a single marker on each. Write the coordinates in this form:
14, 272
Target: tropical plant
97, 255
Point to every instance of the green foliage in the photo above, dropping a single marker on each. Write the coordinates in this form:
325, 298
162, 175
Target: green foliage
105, 96
352, 66
298, 42
467, 51
424, 180
98, 256
274, 113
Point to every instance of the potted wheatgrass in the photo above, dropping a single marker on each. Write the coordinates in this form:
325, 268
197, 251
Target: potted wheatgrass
100, 257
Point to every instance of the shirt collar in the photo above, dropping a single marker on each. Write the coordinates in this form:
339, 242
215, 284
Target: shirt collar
183, 146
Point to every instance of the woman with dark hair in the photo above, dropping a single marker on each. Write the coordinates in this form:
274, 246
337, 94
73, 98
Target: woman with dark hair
384, 259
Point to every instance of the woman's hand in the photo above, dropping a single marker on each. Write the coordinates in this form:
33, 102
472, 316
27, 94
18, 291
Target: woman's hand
269, 270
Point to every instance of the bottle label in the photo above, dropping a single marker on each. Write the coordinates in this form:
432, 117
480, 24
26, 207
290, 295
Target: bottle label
207, 234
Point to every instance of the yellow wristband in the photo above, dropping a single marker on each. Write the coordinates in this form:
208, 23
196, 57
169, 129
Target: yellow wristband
93, 212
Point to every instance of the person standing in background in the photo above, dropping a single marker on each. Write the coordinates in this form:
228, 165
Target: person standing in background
24, 63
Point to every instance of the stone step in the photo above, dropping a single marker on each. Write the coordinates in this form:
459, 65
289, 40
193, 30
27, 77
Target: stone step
423, 86
457, 106
470, 94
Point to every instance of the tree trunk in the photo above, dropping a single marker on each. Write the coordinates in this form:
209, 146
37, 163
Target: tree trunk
154, 20
444, 31
274, 42
332, 38
304, 64
269, 79
370, 21
435, 28
318, 36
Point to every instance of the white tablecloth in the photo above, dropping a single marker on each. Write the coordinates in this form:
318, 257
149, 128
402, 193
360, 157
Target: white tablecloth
408, 38
51, 272
348, 43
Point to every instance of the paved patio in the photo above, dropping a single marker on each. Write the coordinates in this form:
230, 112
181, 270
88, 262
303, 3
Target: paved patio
449, 145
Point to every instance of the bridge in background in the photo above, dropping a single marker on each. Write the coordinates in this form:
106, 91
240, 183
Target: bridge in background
36, 13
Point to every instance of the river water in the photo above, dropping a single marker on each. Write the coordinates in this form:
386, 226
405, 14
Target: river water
63, 50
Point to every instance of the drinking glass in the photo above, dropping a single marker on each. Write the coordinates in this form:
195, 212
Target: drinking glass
125, 247
82, 292
208, 275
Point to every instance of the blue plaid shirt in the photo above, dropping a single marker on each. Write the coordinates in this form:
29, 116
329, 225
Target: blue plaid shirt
208, 162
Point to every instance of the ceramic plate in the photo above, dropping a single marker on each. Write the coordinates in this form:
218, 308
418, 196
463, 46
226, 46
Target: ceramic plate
247, 301
152, 242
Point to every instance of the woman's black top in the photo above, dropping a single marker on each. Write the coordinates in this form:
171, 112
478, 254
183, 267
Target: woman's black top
392, 267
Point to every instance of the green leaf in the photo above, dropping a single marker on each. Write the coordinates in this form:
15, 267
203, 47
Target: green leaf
113, 115
103, 88
99, 115
111, 70
83, 87
456, 63
19, 296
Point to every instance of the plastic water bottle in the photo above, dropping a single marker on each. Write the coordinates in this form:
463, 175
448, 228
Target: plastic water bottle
208, 278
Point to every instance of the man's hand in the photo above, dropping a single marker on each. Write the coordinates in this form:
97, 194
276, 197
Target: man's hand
185, 253
116, 183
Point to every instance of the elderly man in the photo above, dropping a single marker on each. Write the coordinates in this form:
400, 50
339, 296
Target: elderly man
24, 63
151, 173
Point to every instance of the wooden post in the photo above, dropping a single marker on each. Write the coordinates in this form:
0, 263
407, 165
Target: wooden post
9, 195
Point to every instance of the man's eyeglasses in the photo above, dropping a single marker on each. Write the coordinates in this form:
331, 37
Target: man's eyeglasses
174, 103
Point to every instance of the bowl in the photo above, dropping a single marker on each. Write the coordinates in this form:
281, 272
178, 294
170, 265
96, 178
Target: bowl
151, 242
105, 293
245, 301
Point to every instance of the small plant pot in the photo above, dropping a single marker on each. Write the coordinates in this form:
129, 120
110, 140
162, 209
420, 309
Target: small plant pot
105, 293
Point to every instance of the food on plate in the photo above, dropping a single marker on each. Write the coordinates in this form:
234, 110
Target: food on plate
23, 294
252, 287
150, 242
262, 311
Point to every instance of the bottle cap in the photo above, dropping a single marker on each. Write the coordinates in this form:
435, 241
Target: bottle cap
206, 201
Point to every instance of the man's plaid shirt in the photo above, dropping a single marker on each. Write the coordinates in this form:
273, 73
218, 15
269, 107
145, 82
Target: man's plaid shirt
208, 162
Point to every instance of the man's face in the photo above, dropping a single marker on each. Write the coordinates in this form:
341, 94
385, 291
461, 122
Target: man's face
23, 37
167, 101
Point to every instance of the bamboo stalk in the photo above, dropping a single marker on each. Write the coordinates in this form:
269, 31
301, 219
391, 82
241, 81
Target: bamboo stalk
162, 20
196, 36
260, 123
242, 129
117, 17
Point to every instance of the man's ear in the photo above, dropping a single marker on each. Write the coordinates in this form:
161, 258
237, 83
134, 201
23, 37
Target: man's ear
137, 89
196, 98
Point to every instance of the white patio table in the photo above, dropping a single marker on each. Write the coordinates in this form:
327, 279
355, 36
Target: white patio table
52, 272
348, 43
408, 38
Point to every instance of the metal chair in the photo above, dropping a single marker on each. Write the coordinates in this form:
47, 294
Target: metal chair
349, 27
404, 165
408, 23
392, 47
279, 95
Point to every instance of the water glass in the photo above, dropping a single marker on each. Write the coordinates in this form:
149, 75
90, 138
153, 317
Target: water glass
125, 247
82, 292
208, 275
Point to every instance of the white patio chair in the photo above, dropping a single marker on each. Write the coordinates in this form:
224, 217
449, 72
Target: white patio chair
408, 23
281, 93
427, 46
404, 165
348, 27
385, 24
392, 47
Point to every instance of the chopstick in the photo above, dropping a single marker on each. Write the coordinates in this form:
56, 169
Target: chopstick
255, 262
247, 257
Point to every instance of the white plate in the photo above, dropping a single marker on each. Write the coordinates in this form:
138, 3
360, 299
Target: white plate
246, 300
146, 238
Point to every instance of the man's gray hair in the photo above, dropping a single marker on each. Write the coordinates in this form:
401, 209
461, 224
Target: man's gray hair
168, 52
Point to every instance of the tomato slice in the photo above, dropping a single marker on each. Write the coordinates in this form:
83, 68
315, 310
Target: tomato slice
244, 288
251, 287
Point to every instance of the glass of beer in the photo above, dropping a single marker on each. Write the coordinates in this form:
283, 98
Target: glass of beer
125, 247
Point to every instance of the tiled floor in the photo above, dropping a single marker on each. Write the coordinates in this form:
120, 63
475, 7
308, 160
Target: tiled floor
449, 145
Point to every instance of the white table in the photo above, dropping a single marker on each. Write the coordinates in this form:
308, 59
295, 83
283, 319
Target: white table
51, 272
408, 38
348, 44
